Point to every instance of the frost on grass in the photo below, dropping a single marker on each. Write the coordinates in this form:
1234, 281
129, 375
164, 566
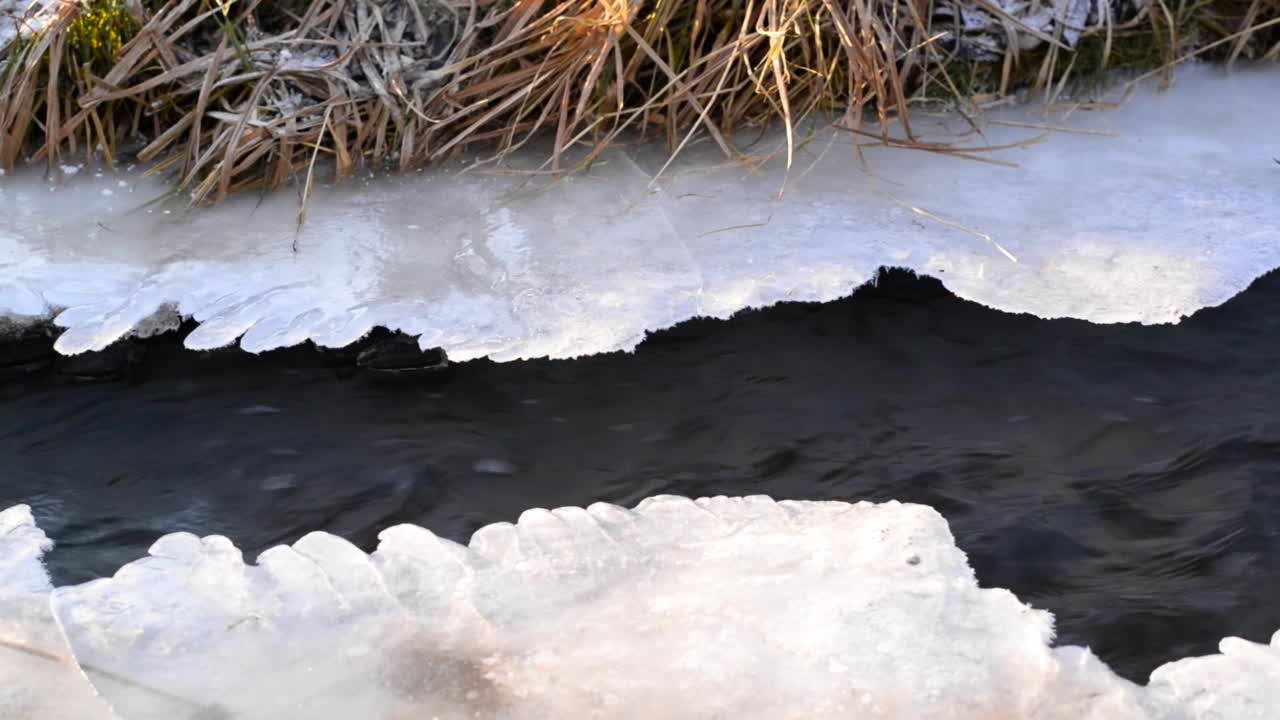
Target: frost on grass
720, 607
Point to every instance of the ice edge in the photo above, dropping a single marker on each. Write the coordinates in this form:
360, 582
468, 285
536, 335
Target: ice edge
888, 605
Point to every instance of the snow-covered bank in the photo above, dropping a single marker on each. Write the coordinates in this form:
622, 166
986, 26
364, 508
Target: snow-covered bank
1155, 210
723, 607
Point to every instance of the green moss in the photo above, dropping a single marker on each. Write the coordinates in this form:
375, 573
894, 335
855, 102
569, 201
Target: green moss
1135, 51
963, 75
99, 31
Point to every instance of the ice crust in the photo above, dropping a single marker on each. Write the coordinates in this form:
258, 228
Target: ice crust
1144, 213
720, 607
39, 679
22, 544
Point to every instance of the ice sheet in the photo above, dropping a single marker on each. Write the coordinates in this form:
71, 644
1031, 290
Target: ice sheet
1145, 214
22, 544
720, 607
39, 680
1243, 682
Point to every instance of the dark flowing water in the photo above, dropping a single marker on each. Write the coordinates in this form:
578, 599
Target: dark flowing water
1126, 478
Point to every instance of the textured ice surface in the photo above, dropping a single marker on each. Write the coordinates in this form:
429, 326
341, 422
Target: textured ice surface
39, 680
1172, 211
1242, 682
722, 607
22, 544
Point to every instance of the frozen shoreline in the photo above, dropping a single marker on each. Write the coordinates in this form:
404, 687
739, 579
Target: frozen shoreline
580, 613
1164, 207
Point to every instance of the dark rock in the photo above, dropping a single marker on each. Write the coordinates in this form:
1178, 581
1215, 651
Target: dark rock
26, 354
116, 362
904, 286
400, 356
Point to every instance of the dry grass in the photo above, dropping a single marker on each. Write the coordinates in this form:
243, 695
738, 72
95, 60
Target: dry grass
236, 94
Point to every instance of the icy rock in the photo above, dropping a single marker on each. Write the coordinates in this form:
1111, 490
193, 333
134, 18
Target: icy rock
163, 320
39, 679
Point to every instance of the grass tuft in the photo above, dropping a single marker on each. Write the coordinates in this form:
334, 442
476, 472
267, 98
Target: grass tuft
230, 95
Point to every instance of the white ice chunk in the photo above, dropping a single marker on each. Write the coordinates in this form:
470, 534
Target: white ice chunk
1242, 683
1144, 213
720, 607
22, 544
193, 632
741, 608
39, 679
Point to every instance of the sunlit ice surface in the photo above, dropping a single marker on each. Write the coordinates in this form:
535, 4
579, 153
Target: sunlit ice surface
720, 607
1144, 212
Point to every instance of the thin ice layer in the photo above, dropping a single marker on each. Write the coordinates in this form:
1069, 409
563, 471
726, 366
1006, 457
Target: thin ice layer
39, 680
1144, 213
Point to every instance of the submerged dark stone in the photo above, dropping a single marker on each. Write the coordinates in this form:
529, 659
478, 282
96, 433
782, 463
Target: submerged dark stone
25, 353
116, 362
400, 356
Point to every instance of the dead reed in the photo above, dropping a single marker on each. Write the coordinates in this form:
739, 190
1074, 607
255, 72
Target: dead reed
237, 94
